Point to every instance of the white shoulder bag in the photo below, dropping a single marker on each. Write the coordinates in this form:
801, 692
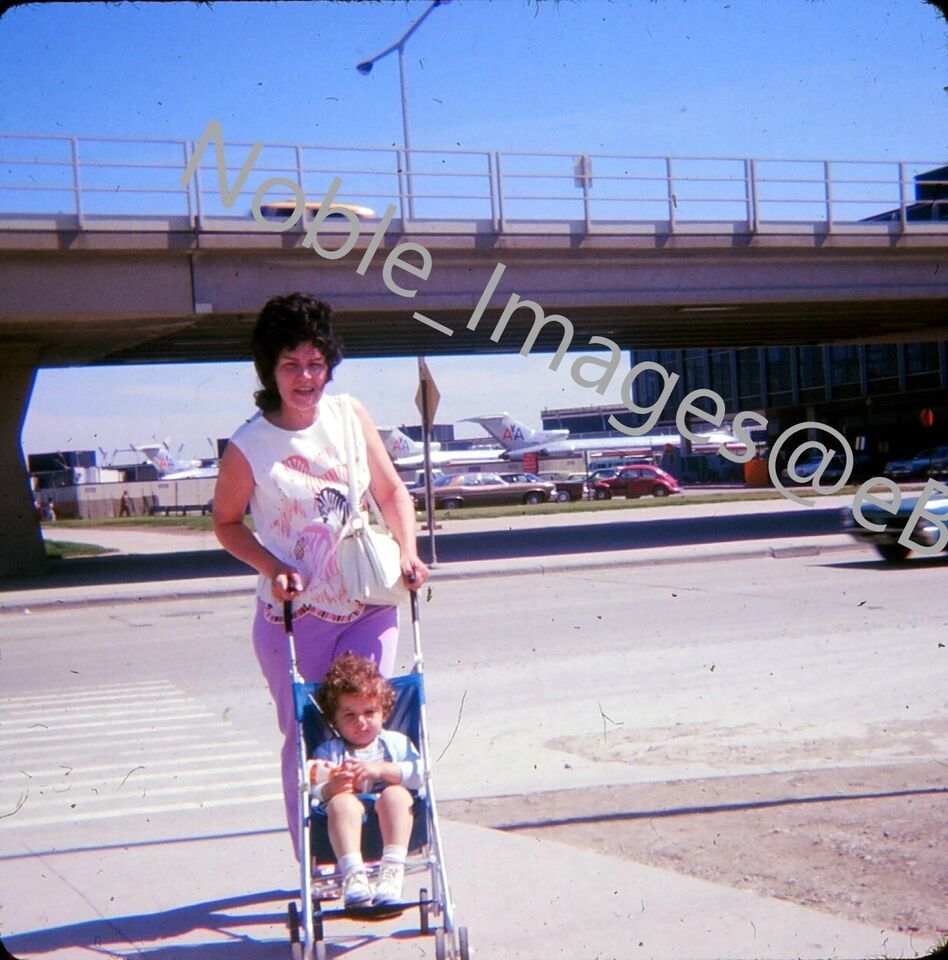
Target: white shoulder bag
369, 560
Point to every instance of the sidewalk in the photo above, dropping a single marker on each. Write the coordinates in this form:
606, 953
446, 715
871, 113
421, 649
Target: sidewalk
534, 899
139, 544
522, 898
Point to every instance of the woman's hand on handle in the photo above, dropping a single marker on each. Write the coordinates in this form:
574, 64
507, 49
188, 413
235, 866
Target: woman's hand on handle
287, 584
414, 570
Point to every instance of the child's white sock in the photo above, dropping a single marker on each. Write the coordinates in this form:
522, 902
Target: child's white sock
350, 862
392, 853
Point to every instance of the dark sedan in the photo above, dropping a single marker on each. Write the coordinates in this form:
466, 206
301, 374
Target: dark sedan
925, 463
481, 489
563, 492
925, 532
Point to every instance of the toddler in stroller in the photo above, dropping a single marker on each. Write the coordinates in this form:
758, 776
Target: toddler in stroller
346, 743
365, 763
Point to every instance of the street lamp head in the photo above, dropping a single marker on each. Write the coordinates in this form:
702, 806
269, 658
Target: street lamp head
365, 67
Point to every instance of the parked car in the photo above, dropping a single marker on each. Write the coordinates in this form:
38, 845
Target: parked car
811, 460
481, 489
886, 542
922, 465
604, 473
563, 490
283, 209
939, 467
637, 481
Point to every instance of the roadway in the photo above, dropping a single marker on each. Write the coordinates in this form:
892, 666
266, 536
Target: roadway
465, 546
142, 811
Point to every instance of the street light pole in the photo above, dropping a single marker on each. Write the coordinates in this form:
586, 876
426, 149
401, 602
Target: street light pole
406, 136
366, 68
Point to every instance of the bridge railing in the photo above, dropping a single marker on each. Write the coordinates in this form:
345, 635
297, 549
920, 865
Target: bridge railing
95, 181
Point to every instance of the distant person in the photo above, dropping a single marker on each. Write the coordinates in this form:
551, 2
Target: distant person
365, 764
49, 509
289, 464
124, 505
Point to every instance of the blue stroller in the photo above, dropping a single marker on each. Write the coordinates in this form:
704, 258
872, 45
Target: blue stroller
320, 879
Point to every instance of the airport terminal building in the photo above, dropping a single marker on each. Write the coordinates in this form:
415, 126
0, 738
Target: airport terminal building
888, 399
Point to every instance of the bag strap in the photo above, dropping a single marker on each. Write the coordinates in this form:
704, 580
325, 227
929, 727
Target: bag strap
348, 414
349, 419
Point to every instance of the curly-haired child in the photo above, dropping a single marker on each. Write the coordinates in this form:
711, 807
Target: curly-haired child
365, 759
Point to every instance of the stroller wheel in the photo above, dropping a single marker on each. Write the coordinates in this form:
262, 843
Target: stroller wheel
464, 947
318, 932
441, 951
293, 921
423, 905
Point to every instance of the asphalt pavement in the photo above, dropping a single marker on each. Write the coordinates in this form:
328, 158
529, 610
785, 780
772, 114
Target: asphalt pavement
150, 562
522, 898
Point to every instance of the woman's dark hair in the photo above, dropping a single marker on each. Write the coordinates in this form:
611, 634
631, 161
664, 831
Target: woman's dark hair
283, 324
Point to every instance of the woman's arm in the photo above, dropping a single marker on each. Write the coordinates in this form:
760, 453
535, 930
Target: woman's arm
393, 499
231, 495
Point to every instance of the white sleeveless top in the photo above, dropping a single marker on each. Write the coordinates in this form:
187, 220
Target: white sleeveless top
300, 504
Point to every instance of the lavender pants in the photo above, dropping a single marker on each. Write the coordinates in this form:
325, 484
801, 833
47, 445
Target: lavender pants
318, 642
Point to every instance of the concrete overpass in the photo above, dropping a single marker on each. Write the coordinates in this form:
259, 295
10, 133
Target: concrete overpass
160, 293
79, 288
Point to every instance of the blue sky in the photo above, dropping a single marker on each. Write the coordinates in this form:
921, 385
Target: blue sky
842, 79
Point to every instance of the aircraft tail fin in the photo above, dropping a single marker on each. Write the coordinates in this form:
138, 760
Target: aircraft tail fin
159, 455
514, 435
398, 444
510, 433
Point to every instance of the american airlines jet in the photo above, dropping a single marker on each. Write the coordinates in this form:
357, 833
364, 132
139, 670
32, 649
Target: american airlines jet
163, 460
518, 439
407, 453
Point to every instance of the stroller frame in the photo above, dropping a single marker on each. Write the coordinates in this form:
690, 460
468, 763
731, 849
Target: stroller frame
306, 920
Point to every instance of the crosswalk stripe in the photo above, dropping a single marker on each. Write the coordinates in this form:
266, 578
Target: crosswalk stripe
192, 805
163, 753
112, 721
142, 773
105, 693
64, 769
134, 792
72, 711
64, 740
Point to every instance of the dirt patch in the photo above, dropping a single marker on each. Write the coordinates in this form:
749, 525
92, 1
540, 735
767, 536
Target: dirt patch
865, 843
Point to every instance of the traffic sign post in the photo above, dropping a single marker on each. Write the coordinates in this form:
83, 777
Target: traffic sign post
427, 400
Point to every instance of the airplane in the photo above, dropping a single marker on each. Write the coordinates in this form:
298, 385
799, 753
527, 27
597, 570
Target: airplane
519, 439
163, 460
407, 453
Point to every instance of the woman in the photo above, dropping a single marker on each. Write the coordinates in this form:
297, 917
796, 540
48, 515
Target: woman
289, 464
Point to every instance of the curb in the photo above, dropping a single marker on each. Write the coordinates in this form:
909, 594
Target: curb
25, 602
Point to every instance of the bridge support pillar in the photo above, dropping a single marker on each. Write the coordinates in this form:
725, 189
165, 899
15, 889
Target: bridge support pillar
21, 542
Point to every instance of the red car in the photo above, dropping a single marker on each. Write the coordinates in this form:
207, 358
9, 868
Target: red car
637, 481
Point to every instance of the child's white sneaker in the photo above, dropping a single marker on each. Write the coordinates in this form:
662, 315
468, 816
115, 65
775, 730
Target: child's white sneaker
391, 880
356, 891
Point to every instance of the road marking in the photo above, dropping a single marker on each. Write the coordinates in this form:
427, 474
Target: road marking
106, 692
143, 811
129, 750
